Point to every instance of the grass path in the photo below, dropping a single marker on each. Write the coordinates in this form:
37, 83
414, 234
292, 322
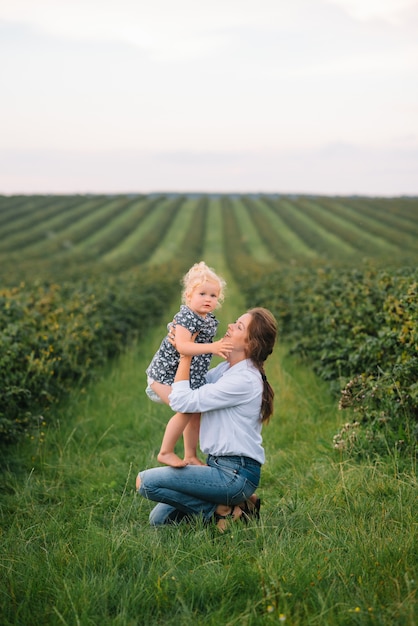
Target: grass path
250, 235
172, 241
140, 232
337, 542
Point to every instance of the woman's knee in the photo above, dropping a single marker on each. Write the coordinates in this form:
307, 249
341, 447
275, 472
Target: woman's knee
163, 514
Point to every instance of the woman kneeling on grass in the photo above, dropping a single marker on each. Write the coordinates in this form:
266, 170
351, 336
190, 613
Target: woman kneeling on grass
234, 403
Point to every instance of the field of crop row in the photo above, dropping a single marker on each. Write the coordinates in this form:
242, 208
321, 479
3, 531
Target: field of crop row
84, 280
120, 231
339, 273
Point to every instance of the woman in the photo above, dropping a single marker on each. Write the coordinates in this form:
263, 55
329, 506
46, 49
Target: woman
234, 403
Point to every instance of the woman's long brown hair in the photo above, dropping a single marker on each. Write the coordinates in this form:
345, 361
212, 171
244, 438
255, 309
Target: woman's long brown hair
262, 333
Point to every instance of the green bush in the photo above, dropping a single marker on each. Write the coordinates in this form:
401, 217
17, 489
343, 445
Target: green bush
358, 330
55, 335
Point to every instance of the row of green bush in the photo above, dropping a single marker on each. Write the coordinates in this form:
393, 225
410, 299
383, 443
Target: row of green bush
57, 332
54, 336
358, 328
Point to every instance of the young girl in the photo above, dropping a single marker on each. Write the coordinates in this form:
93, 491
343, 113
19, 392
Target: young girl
203, 292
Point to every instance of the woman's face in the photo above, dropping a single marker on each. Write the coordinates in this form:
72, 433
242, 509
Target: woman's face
238, 332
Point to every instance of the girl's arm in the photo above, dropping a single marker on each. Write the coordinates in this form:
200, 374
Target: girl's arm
187, 346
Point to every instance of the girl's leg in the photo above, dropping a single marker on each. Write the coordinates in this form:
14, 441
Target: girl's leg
173, 432
191, 439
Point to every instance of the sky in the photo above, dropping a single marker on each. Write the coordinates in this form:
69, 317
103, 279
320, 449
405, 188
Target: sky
270, 96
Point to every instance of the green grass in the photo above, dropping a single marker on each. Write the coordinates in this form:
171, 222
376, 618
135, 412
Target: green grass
38, 227
213, 255
213, 251
326, 239
344, 223
145, 228
285, 235
46, 236
250, 236
127, 213
336, 545
386, 230
171, 243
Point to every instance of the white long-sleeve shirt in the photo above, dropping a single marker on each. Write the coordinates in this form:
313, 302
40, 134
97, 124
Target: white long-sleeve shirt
230, 405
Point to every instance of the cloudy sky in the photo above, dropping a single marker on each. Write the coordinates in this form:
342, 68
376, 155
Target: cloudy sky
291, 96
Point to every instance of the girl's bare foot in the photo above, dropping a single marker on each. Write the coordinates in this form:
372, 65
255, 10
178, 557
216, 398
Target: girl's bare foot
226, 514
193, 460
138, 482
171, 458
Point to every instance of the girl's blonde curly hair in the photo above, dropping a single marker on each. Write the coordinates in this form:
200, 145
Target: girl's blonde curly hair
197, 275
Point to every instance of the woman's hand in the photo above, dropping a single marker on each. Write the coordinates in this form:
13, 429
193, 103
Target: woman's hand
171, 336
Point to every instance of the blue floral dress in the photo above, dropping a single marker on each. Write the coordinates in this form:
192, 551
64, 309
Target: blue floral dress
165, 362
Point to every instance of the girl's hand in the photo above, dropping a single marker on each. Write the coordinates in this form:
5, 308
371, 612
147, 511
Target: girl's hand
222, 348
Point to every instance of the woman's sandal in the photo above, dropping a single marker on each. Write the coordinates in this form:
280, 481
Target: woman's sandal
222, 521
251, 509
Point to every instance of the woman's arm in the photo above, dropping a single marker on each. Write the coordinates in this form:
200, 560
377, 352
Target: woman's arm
233, 387
228, 388
183, 370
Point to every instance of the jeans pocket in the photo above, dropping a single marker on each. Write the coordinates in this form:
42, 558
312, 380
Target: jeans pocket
245, 490
226, 466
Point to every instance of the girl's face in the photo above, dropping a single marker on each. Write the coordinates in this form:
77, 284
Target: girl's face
238, 332
204, 298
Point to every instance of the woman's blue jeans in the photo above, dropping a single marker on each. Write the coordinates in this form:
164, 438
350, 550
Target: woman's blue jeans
198, 489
